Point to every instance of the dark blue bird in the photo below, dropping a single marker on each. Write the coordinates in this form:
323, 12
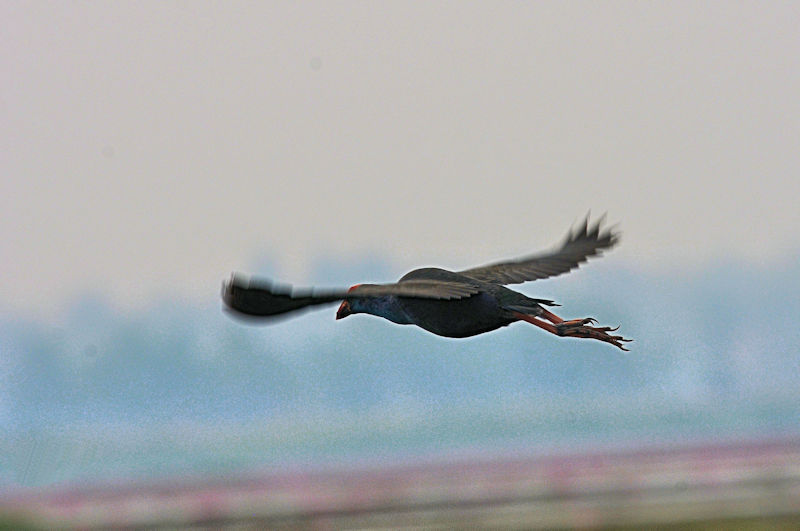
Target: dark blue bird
446, 303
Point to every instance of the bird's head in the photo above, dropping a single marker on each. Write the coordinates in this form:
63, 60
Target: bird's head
347, 306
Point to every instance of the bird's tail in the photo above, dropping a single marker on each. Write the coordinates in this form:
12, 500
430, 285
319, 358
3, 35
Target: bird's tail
531, 306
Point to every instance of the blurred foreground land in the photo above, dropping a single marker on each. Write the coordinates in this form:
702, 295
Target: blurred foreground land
750, 485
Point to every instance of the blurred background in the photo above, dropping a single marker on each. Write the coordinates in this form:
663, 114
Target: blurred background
151, 148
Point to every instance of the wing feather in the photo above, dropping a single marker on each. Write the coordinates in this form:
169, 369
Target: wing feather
423, 289
580, 244
264, 298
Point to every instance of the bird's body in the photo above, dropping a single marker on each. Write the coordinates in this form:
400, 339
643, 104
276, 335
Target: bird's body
483, 312
461, 318
446, 303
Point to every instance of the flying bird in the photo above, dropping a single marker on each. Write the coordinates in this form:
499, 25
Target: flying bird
446, 303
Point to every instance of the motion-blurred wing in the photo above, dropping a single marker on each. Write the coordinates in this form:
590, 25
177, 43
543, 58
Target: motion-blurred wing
422, 289
579, 245
263, 298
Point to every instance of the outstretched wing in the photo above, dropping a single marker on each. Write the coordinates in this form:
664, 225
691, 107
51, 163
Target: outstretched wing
579, 245
263, 298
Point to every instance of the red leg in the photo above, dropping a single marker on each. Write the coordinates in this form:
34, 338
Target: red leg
538, 322
550, 316
573, 328
553, 318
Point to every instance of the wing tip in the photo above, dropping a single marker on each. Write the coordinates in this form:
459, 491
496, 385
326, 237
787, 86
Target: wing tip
605, 236
233, 288
229, 286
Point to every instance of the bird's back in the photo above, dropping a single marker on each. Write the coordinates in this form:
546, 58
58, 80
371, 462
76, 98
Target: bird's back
435, 273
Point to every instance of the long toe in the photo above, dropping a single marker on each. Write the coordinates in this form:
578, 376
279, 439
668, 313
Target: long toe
575, 329
578, 322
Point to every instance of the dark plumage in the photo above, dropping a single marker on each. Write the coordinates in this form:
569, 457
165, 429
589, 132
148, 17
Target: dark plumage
451, 304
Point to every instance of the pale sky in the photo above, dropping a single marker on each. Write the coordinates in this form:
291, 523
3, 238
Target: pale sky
160, 145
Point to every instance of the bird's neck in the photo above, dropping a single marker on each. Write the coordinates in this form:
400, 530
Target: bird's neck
387, 307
